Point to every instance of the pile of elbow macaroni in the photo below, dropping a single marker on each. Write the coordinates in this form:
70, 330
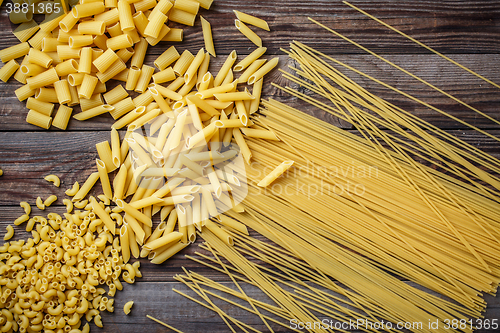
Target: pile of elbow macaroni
53, 280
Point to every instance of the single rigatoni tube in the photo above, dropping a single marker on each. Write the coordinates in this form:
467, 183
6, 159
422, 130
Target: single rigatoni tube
62, 91
133, 76
43, 79
245, 30
144, 78
75, 79
105, 155
183, 63
45, 108
103, 62
103, 175
144, 5
110, 3
95, 28
66, 52
115, 95
88, 9
140, 21
139, 53
39, 58
75, 100
109, 17
67, 67
31, 70
182, 17
164, 76
125, 54
119, 42
8, 70
20, 76
46, 95
50, 44
156, 21
94, 112
85, 64
263, 70
230, 60
51, 21
62, 116
101, 42
68, 22
25, 30
174, 35
24, 92
95, 100
125, 14
88, 85
38, 119
76, 42
122, 107
13, 52
36, 40
249, 59
166, 58
113, 70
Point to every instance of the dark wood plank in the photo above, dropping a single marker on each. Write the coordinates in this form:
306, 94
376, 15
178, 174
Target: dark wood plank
433, 69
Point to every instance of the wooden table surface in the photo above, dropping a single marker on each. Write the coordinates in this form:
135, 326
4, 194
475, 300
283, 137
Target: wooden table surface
467, 31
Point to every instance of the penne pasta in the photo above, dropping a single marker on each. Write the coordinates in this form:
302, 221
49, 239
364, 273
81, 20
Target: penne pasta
252, 36
230, 60
94, 112
252, 20
249, 59
207, 36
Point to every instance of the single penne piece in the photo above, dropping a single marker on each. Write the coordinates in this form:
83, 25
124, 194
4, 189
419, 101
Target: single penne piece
145, 202
124, 243
176, 84
109, 17
119, 182
234, 96
249, 59
277, 172
195, 64
129, 117
230, 60
43, 79
115, 147
119, 42
62, 117
103, 175
229, 123
76, 42
252, 36
219, 232
113, 70
242, 112
263, 71
182, 220
147, 116
202, 105
134, 248
160, 257
229, 77
166, 58
105, 155
252, 20
259, 133
167, 93
207, 36
136, 214
38, 119
136, 228
162, 104
39, 58
94, 112
86, 187
202, 136
125, 15
166, 239
203, 69
240, 141
256, 92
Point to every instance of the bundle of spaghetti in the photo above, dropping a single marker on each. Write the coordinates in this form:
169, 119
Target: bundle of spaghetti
383, 228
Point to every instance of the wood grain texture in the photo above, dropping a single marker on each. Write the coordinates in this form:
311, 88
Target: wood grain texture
468, 31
